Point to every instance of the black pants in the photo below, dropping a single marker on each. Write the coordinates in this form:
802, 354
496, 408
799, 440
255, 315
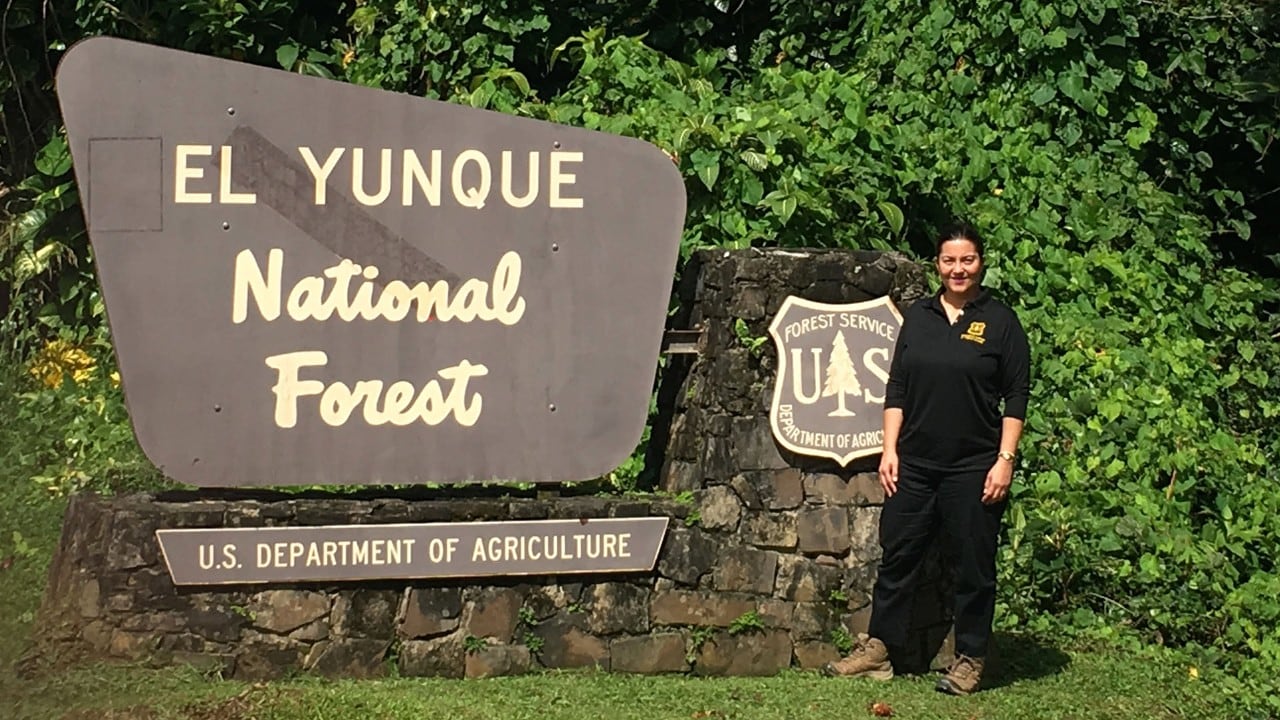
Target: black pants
925, 502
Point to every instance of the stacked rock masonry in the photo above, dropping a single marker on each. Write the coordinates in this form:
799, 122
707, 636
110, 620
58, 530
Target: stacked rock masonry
768, 560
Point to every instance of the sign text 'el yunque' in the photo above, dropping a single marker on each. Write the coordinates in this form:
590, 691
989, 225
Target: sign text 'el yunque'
312, 282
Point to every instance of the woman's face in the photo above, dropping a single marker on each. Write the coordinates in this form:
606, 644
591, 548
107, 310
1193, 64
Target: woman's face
959, 265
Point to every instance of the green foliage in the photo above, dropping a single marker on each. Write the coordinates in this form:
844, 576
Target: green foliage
391, 660
1189, 86
473, 644
526, 616
527, 620
244, 612
843, 641
534, 642
450, 50
633, 475
44, 256
753, 343
21, 547
685, 497
72, 428
698, 637
746, 622
766, 159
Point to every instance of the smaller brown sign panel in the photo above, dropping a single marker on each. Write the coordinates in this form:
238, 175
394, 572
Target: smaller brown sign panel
833, 363
223, 556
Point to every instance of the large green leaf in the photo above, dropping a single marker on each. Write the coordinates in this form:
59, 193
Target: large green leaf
1071, 84
892, 215
287, 55
54, 158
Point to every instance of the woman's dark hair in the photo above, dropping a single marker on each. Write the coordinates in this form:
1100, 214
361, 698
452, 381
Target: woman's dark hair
959, 231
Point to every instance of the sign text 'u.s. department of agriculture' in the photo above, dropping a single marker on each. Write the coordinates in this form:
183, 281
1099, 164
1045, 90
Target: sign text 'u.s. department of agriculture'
220, 556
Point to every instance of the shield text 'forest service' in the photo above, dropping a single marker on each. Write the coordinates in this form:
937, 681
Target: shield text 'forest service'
833, 363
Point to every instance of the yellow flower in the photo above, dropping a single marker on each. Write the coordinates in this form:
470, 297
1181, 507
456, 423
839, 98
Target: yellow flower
50, 375
59, 359
1193, 673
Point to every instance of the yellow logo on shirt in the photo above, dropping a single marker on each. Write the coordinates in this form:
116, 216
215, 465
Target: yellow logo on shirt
974, 333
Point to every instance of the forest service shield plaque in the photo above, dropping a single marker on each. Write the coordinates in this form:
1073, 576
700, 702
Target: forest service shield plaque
833, 363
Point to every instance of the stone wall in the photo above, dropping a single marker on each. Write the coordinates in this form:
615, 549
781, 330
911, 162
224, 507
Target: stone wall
767, 563
740, 588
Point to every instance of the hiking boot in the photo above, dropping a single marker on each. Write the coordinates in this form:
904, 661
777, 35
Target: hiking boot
963, 677
869, 658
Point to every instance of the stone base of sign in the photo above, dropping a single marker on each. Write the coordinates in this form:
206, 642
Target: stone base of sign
740, 588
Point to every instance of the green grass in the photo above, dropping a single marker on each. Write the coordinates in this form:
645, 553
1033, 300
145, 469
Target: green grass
791, 695
1091, 685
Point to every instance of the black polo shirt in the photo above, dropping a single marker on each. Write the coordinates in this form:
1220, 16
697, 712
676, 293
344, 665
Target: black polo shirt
954, 383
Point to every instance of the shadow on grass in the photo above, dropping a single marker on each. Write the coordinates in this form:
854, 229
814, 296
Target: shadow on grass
1020, 657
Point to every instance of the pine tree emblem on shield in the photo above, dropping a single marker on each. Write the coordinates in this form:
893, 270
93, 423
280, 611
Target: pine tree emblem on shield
833, 363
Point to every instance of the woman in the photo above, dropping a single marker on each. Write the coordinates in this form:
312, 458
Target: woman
954, 408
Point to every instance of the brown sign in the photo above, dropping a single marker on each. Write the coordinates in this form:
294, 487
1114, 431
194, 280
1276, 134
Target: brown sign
313, 282
833, 362
221, 556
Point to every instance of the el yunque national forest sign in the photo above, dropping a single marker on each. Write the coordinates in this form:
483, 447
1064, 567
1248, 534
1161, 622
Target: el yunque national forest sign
310, 282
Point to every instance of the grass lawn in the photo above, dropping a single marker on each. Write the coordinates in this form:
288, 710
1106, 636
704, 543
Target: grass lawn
1089, 685
1036, 680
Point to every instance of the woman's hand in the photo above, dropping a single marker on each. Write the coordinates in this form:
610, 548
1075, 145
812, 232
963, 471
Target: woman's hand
889, 472
999, 478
